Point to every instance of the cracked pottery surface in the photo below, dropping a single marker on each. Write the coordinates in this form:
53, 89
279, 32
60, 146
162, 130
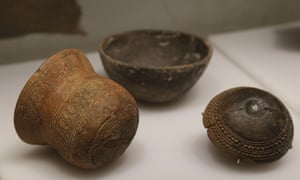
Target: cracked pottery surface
249, 123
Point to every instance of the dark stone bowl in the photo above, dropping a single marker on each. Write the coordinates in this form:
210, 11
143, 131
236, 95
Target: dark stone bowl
155, 66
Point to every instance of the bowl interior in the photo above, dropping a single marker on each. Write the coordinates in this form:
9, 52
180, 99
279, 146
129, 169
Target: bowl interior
156, 48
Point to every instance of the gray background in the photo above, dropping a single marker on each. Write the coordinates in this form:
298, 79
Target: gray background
101, 18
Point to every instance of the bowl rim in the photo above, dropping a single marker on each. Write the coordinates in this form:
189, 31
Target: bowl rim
204, 60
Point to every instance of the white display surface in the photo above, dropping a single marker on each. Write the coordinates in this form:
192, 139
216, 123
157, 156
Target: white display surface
270, 55
171, 142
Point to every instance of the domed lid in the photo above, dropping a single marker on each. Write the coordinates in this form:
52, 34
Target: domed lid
253, 114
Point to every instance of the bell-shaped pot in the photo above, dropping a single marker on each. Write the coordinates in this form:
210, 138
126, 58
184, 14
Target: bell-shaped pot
90, 120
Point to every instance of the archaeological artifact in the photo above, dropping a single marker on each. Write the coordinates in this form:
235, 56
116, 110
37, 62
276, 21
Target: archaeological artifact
88, 119
155, 65
249, 124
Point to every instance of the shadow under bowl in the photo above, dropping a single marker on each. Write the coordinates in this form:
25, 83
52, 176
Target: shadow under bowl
155, 65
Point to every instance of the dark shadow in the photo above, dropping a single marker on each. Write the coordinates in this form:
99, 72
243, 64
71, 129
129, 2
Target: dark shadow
289, 38
46, 154
183, 101
19, 17
166, 106
202, 144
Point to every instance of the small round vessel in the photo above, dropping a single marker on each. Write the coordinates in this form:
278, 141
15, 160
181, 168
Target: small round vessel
155, 66
249, 123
